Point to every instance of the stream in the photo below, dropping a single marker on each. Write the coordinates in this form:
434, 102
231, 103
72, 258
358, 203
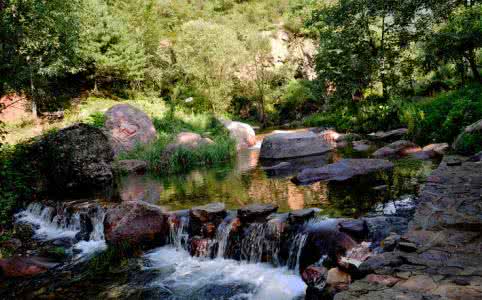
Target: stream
261, 271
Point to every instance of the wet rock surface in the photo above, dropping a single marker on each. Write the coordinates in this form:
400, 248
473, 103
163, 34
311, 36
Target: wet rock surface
136, 223
343, 170
293, 144
255, 212
127, 127
439, 256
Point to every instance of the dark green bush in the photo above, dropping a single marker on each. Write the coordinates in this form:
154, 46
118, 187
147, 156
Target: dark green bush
442, 119
469, 143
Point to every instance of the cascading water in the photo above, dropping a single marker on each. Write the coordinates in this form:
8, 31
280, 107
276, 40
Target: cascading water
261, 243
51, 223
178, 235
222, 236
295, 251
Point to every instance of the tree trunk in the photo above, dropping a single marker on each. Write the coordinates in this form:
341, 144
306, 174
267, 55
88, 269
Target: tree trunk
32, 92
473, 66
384, 86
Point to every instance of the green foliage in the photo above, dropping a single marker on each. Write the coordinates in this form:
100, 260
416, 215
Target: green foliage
18, 179
300, 98
96, 119
366, 117
442, 118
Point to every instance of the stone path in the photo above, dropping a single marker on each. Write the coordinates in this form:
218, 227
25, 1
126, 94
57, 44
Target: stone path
440, 257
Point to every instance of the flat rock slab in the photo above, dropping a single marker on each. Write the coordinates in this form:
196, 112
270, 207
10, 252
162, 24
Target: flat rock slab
388, 135
294, 144
343, 170
256, 212
208, 212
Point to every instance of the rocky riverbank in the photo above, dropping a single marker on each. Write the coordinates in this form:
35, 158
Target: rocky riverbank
440, 256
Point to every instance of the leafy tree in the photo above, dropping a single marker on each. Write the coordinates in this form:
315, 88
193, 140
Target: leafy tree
208, 55
458, 39
39, 42
114, 52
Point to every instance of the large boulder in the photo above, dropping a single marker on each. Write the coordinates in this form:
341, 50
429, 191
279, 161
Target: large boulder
136, 223
343, 170
242, 133
128, 127
76, 158
294, 144
398, 148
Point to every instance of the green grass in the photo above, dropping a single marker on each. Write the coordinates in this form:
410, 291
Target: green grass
184, 159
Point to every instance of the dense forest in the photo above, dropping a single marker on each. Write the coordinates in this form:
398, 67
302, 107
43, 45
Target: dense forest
373, 57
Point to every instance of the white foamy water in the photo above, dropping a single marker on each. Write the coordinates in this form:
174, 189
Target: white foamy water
201, 278
51, 224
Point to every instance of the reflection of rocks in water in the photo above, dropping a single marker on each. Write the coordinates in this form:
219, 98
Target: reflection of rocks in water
289, 167
139, 188
296, 199
247, 159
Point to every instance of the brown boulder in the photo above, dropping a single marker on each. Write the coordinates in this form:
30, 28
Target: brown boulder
128, 127
135, 222
337, 279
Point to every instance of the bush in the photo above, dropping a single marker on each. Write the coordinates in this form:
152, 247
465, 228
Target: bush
442, 119
365, 117
469, 143
17, 177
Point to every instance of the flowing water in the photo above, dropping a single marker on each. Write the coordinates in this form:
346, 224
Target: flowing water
264, 265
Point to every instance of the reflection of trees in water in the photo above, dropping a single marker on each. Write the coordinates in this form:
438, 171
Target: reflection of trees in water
352, 198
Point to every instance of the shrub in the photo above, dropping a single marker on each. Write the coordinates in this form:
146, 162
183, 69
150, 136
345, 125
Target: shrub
441, 119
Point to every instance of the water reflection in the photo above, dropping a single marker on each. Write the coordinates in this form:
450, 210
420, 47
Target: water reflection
246, 181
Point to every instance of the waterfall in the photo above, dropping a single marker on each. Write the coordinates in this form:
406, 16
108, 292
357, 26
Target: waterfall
51, 223
178, 235
295, 251
222, 237
261, 243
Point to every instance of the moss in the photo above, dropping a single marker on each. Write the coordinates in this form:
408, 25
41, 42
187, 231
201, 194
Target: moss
469, 143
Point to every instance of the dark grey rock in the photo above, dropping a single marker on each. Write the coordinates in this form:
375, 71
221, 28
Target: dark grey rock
343, 170
293, 144
256, 212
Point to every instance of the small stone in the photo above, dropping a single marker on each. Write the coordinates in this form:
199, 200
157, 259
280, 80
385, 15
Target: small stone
407, 246
390, 243
383, 279
452, 161
404, 275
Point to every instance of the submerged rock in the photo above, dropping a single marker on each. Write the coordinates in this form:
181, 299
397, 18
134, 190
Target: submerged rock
293, 144
343, 170
136, 223
128, 127
75, 159
256, 212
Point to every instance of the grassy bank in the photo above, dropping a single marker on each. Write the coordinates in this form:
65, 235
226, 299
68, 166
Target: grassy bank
183, 159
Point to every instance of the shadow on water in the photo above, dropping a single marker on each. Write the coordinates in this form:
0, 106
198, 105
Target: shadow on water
249, 180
